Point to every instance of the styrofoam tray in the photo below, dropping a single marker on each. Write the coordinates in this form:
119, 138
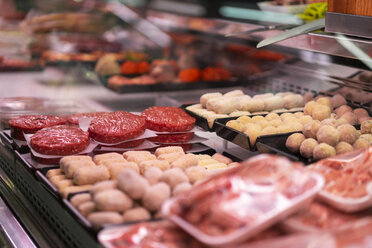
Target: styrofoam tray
246, 232
289, 9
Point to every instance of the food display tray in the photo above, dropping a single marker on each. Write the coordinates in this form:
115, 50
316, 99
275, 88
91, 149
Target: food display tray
124, 89
240, 138
13, 144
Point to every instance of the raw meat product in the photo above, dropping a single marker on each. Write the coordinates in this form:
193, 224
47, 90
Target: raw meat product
281, 129
73, 189
253, 105
245, 119
139, 159
161, 164
181, 188
276, 122
67, 159
168, 119
363, 119
233, 164
171, 157
298, 114
227, 105
78, 199
234, 93
257, 118
272, 116
342, 110
221, 158
204, 98
172, 138
309, 107
116, 168
60, 140
326, 101
366, 127
311, 129
308, 97
73, 166
132, 183
196, 173
32, 123
206, 162
128, 154
61, 185
347, 133
307, 147
305, 119
98, 219
341, 121
220, 206
294, 142
74, 119
153, 175
116, 127
343, 147
275, 102
173, 177
328, 134
323, 150
102, 186
360, 112
129, 144
168, 149
55, 179
329, 121
294, 126
98, 159
321, 112
112, 200
53, 172
338, 100
212, 102
293, 101
91, 175
361, 144
155, 196
261, 96
215, 166
86, 208
109, 161
185, 161
350, 117
136, 214
367, 137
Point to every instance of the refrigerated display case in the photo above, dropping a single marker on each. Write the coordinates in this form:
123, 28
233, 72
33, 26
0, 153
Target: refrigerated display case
157, 53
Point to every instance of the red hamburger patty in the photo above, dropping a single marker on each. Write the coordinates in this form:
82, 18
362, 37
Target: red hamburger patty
32, 124
168, 119
60, 140
172, 138
116, 127
74, 119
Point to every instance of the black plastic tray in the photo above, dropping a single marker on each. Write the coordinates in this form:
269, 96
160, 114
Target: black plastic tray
6, 139
123, 89
240, 138
41, 176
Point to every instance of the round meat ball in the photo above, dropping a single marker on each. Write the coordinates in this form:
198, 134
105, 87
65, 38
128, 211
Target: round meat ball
156, 195
329, 121
323, 150
328, 134
341, 121
283, 129
263, 123
271, 116
173, 177
338, 100
274, 102
112, 200
366, 127
326, 101
343, 147
363, 119
257, 118
136, 214
181, 188
305, 119
298, 115
360, 112
294, 142
308, 109
286, 116
358, 134
308, 97
347, 133
132, 183
295, 126
367, 137
321, 112
153, 174
342, 110
196, 173
310, 129
276, 122
307, 147
293, 101
360, 144
350, 117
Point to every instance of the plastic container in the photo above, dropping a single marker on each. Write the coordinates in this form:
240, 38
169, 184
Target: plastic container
239, 181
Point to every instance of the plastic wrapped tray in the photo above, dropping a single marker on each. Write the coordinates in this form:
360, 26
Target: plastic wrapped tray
233, 179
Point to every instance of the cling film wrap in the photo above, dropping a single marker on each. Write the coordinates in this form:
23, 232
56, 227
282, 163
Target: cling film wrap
168, 119
116, 127
239, 203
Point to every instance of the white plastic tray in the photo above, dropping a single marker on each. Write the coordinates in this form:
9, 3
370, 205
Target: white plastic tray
246, 232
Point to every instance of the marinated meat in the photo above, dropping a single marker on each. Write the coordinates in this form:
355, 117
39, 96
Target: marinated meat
74, 119
168, 119
172, 138
60, 140
32, 124
116, 127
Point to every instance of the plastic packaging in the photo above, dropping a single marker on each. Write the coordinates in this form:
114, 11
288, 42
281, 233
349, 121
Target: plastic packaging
347, 178
241, 202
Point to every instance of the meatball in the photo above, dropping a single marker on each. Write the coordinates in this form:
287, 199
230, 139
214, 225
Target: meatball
328, 134
350, 117
295, 126
181, 188
338, 100
153, 175
363, 119
155, 196
112, 200
360, 144
235, 124
173, 177
366, 127
196, 173
132, 183
263, 123
307, 147
321, 112
136, 214
310, 129
342, 110
299, 114
308, 97
347, 133
308, 109
276, 122
343, 147
329, 121
294, 142
326, 101
341, 121
367, 137
360, 112
293, 101
323, 150
271, 116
